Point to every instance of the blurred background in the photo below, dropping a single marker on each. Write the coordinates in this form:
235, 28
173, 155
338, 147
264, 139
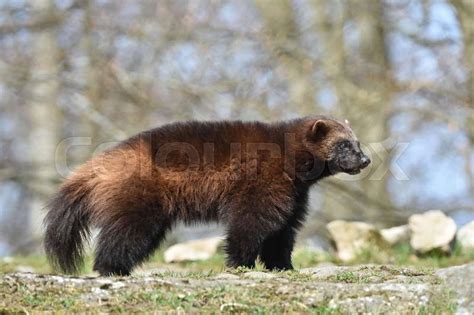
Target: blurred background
401, 71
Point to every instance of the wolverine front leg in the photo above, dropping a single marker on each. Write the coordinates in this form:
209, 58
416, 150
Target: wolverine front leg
257, 211
277, 248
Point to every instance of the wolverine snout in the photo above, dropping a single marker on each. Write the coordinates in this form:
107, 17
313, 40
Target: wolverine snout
365, 161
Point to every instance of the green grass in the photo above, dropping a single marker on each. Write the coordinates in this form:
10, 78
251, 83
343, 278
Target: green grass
24, 295
195, 292
400, 255
198, 292
347, 276
37, 262
403, 255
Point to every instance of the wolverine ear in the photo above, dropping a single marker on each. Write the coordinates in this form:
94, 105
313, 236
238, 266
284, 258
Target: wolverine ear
319, 130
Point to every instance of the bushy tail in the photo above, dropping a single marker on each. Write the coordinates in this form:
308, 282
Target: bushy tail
67, 228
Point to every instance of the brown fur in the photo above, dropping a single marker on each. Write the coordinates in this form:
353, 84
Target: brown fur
251, 176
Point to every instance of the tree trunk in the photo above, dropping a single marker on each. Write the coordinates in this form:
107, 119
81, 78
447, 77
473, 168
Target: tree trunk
45, 115
362, 87
465, 14
282, 41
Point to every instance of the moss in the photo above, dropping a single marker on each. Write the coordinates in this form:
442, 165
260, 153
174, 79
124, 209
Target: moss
347, 277
442, 303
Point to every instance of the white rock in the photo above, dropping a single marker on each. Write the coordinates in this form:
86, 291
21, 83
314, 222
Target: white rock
431, 230
25, 269
396, 235
258, 275
351, 238
465, 236
460, 282
193, 250
226, 276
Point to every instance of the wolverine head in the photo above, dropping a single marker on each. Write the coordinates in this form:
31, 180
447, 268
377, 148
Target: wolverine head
335, 143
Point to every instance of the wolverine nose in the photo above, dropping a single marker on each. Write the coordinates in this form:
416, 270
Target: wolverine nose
365, 161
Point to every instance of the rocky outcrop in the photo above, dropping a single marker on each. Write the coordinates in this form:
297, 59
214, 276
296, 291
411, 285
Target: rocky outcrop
352, 238
460, 281
465, 236
193, 250
367, 289
396, 235
432, 230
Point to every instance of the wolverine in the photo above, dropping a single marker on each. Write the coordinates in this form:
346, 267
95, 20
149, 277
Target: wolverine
252, 177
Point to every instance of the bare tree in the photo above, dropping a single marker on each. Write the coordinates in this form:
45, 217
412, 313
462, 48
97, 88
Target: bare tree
465, 13
282, 40
45, 115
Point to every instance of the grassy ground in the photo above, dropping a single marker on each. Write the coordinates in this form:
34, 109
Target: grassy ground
236, 291
400, 255
196, 287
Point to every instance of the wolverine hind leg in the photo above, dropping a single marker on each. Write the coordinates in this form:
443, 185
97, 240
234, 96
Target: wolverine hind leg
245, 237
127, 242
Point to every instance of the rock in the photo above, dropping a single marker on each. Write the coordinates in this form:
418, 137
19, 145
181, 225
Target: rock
284, 289
322, 273
233, 307
396, 235
325, 264
460, 281
258, 275
226, 276
465, 236
431, 230
25, 269
193, 250
351, 238
341, 290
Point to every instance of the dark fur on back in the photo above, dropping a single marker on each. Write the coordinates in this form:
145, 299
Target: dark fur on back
251, 176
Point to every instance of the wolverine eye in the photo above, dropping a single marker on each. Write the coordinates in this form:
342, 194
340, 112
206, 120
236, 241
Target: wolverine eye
345, 144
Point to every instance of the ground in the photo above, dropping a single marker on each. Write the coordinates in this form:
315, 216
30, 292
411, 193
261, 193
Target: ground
207, 287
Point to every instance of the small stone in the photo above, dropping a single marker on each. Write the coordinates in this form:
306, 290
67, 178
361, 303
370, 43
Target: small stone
465, 236
284, 289
325, 264
396, 235
351, 238
226, 276
258, 275
316, 298
25, 269
100, 294
118, 285
195, 250
431, 230
323, 273
233, 307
